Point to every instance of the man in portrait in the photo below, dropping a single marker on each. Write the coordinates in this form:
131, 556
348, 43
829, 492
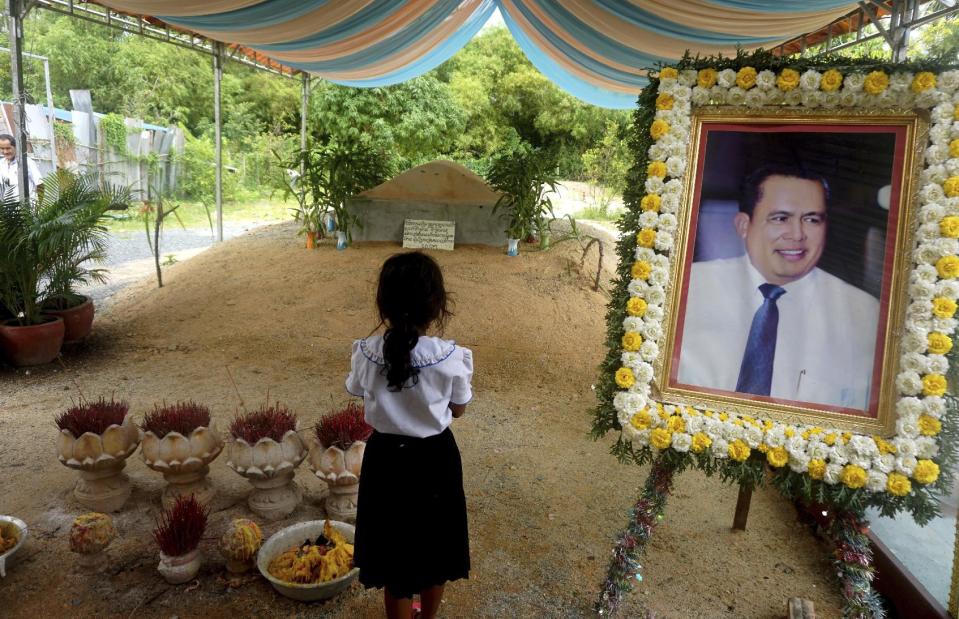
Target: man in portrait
770, 322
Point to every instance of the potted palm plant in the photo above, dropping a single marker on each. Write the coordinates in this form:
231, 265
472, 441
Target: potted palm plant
44, 247
339, 171
87, 201
525, 176
300, 180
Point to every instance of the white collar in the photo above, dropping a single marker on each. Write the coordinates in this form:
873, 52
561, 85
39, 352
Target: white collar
428, 350
796, 287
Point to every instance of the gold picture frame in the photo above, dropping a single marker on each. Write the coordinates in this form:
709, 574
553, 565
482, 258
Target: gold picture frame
878, 417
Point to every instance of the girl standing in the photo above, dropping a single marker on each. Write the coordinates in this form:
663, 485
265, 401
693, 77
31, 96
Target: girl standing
411, 530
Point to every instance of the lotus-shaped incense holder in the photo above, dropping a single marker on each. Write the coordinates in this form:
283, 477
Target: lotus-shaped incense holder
184, 462
340, 469
100, 458
269, 466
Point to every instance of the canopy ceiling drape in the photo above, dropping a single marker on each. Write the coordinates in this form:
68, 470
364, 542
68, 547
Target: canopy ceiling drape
597, 50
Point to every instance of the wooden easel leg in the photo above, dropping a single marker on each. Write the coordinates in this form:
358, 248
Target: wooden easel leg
742, 507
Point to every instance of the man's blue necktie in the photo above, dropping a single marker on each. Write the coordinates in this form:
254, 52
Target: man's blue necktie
756, 371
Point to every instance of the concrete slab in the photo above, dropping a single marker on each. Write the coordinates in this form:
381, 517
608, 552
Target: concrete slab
439, 191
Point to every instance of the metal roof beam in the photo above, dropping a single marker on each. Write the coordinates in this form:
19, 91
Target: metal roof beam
140, 26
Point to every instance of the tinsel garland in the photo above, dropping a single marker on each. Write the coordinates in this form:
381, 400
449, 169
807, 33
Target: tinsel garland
646, 513
852, 557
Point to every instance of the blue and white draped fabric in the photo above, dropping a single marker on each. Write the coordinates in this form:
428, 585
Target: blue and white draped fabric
598, 50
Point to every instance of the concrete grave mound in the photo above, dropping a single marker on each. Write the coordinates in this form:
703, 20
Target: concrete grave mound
439, 190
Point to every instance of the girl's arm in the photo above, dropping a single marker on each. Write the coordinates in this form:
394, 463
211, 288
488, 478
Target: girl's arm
458, 409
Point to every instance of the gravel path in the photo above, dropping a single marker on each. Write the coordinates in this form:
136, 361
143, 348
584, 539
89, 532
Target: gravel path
129, 258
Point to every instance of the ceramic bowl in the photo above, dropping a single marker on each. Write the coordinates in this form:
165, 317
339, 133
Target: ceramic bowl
291, 536
21, 527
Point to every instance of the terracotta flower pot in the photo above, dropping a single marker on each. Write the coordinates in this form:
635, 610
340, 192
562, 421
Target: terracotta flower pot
341, 471
31, 345
78, 320
178, 570
100, 458
184, 462
269, 466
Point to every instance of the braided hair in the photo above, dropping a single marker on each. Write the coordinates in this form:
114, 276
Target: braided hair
410, 297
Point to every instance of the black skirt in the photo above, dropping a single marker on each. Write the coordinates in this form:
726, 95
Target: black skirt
411, 530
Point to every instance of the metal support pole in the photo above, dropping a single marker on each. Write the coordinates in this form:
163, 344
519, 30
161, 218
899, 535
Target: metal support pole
901, 23
304, 111
53, 116
218, 122
16, 13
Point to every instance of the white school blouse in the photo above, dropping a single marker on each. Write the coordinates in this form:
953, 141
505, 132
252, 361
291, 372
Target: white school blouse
423, 409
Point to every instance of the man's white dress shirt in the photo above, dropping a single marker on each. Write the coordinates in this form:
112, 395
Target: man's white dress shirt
445, 374
827, 333
10, 176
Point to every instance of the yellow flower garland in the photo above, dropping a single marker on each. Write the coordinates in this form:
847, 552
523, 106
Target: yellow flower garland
948, 267
701, 442
659, 128
668, 73
777, 457
951, 186
943, 307
657, 169
926, 472
898, 484
949, 226
831, 81
646, 237
641, 270
933, 384
738, 450
746, 78
787, 80
876, 82
625, 378
641, 420
650, 202
923, 81
817, 469
660, 438
664, 101
954, 149
636, 306
929, 426
939, 343
676, 424
706, 78
632, 341
853, 476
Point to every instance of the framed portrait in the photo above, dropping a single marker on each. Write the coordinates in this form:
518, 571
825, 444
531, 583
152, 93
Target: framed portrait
790, 278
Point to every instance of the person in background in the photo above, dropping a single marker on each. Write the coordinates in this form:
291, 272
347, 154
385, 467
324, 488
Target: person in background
10, 170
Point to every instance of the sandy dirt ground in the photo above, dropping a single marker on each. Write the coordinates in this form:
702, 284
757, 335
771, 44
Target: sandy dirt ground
545, 501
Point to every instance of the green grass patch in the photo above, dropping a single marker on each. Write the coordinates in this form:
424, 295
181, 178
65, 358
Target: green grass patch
193, 215
598, 213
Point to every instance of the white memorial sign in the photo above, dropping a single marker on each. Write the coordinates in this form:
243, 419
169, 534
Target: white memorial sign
426, 234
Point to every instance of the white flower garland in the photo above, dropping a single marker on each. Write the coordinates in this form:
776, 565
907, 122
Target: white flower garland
830, 455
